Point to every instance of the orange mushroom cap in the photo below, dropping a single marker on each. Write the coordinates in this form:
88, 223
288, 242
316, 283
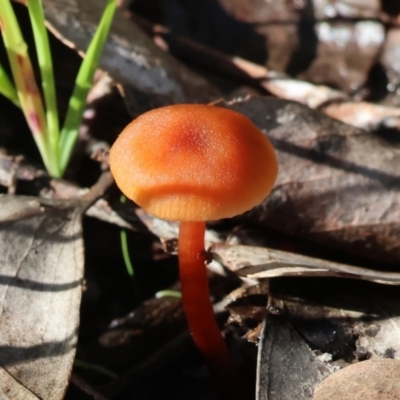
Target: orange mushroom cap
192, 162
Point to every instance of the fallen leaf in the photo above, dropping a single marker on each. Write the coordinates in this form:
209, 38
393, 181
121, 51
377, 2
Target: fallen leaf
364, 115
11, 389
261, 263
301, 91
337, 185
287, 368
327, 9
368, 380
254, 11
41, 264
315, 328
129, 56
345, 53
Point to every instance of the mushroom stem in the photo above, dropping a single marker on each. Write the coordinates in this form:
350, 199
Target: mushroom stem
198, 307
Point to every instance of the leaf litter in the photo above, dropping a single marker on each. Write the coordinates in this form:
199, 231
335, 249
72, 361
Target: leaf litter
325, 167
41, 265
41, 277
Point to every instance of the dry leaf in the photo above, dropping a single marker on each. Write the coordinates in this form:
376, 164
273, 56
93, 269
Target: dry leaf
129, 56
327, 9
11, 389
323, 41
368, 380
287, 368
302, 91
320, 326
254, 11
345, 53
261, 263
41, 271
364, 115
337, 185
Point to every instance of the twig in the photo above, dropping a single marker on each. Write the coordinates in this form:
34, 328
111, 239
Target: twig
99, 188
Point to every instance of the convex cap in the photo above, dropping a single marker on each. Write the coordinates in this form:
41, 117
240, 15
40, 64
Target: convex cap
193, 162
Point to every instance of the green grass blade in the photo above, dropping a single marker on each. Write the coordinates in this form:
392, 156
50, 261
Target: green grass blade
47, 75
7, 88
125, 253
95, 367
125, 247
69, 132
21, 67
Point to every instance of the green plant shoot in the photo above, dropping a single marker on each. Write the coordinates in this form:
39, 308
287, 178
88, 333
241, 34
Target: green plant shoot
41, 113
125, 247
95, 367
7, 88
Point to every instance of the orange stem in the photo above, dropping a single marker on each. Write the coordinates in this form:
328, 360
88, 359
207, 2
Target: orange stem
199, 310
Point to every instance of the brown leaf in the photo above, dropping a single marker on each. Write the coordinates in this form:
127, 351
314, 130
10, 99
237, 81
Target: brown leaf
41, 264
337, 185
368, 380
301, 91
255, 11
345, 53
11, 389
261, 263
287, 368
364, 115
129, 56
327, 9
315, 40
325, 317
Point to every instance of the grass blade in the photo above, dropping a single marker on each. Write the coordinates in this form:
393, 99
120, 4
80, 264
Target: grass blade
47, 75
69, 132
95, 367
21, 67
7, 88
125, 247
125, 253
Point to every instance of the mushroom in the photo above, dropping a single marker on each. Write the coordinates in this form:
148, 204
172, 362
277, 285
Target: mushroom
193, 163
